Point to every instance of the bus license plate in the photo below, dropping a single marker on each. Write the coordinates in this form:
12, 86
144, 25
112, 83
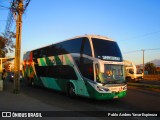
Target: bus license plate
117, 89
114, 89
115, 97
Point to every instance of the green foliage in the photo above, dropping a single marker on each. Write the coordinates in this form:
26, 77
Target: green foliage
6, 44
2, 46
2, 42
150, 67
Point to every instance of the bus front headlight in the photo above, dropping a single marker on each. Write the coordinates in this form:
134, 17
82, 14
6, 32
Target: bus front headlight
102, 89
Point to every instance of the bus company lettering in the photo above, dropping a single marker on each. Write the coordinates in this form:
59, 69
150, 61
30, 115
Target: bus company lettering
14, 114
110, 58
34, 115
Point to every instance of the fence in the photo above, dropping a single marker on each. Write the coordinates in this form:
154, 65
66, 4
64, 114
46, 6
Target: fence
152, 77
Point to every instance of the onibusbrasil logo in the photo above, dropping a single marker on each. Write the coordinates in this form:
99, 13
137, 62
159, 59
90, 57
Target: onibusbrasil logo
21, 114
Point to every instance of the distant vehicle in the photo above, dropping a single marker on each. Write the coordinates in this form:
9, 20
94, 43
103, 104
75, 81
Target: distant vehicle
4, 74
89, 66
11, 76
131, 72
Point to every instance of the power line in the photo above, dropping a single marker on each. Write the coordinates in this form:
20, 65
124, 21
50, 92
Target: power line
3, 1
26, 5
4, 7
131, 51
3, 20
13, 13
140, 36
9, 22
141, 50
151, 49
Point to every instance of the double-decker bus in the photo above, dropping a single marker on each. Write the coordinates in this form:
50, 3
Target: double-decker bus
90, 66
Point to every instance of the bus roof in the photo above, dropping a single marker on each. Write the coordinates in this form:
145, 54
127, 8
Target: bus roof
93, 36
86, 35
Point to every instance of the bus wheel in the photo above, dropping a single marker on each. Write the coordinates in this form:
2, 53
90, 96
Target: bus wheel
32, 82
71, 90
26, 80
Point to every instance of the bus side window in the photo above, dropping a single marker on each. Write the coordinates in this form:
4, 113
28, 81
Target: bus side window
59, 72
86, 68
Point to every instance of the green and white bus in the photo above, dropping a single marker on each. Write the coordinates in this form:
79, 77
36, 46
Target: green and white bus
90, 66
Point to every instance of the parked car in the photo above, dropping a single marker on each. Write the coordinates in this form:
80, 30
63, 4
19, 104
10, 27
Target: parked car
11, 76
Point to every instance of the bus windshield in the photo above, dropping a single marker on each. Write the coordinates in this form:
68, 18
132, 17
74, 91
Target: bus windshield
113, 74
106, 50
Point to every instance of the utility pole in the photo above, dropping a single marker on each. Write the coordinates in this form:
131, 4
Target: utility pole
19, 12
143, 60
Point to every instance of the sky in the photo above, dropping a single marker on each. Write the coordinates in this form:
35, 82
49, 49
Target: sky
134, 24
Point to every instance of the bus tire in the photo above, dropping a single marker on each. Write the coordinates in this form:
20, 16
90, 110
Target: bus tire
26, 81
29, 81
32, 82
71, 90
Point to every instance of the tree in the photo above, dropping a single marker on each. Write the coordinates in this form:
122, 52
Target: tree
6, 44
2, 46
150, 67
